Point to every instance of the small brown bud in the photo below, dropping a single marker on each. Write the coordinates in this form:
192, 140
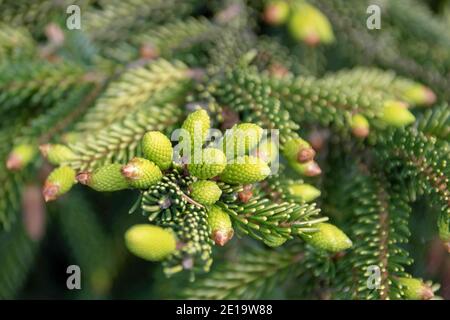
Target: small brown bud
148, 51
246, 194
14, 162
221, 237
50, 191
305, 155
83, 177
312, 169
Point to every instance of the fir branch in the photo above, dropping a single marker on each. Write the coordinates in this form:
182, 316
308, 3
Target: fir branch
379, 227
15, 42
436, 122
326, 101
272, 222
12, 182
245, 92
169, 40
421, 159
120, 141
156, 83
254, 274
380, 48
33, 84
107, 25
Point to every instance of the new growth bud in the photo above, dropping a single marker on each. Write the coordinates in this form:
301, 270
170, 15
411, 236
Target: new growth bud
276, 12
56, 153
150, 242
213, 162
157, 147
415, 289
298, 150
106, 178
396, 113
58, 182
245, 170
418, 94
20, 157
304, 192
141, 173
309, 25
205, 192
220, 224
308, 169
328, 238
360, 126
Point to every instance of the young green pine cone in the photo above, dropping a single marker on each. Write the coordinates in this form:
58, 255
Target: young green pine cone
220, 224
197, 125
307, 169
205, 192
415, 289
141, 173
20, 156
298, 150
419, 94
56, 153
310, 25
157, 147
106, 178
213, 162
240, 139
58, 182
360, 126
396, 113
150, 242
328, 238
276, 12
245, 170
304, 192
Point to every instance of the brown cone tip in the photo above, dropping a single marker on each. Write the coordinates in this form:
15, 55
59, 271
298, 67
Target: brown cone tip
447, 246
313, 169
245, 196
130, 171
83, 177
312, 39
360, 132
306, 154
44, 149
50, 191
222, 237
271, 14
14, 162
148, 51
427, 293
430, 97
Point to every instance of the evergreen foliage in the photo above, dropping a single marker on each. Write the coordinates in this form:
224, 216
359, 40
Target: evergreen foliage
363, 144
